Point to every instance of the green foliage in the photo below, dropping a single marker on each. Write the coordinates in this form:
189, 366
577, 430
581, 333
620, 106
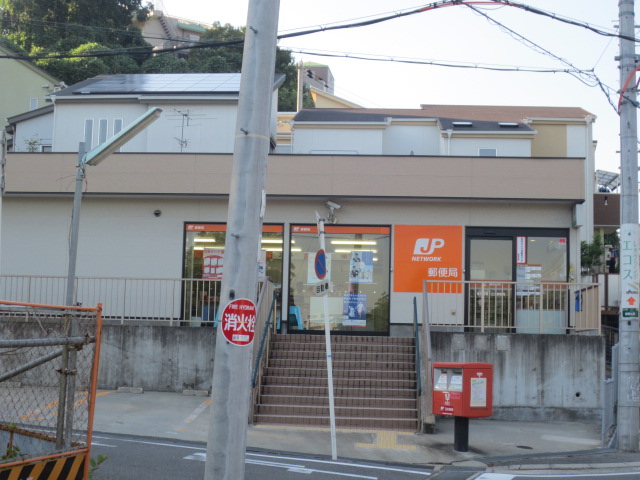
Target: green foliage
94, 464
165, 63
73, 70
62, 25
98, 26
591, 254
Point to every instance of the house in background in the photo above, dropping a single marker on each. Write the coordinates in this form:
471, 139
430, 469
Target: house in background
166, 31
25, 87
199, 113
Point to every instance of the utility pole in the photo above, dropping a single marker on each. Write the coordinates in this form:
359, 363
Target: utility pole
300, 90
227, 437
629, 374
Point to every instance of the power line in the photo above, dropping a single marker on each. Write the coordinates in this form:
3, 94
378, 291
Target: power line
584, 76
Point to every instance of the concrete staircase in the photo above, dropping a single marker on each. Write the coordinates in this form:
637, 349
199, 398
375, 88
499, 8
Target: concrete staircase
374, 382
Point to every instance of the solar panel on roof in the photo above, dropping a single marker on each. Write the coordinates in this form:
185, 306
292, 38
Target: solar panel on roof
165, 83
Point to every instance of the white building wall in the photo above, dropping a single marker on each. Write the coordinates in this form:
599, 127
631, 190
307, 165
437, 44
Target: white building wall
468, 147
124, 238
338, 140
403, 139
181, 127
37, 129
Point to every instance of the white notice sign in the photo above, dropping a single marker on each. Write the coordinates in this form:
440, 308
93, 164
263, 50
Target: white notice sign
478, 392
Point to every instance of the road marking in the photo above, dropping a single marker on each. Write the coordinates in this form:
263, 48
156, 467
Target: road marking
192, 416
332, 462
388, 440
581, 441
96, 444
495, 476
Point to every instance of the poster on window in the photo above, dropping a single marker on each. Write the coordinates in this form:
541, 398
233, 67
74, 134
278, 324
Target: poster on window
354, 313
312, 278
212, 263
361, 267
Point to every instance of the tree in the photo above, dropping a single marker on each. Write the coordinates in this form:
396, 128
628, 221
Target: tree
74, 70
228, 59
65, 24
591, 254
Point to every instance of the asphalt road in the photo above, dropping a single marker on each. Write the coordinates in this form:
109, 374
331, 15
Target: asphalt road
139, 458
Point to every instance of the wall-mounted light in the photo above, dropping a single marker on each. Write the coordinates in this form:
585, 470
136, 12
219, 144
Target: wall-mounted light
606, 200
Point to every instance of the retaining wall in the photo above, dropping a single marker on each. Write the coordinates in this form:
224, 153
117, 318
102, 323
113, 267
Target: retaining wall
536, 377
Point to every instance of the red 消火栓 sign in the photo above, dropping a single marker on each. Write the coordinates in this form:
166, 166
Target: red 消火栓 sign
238, 321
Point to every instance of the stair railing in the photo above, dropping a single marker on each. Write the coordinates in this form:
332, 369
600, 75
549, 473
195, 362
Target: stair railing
261, 357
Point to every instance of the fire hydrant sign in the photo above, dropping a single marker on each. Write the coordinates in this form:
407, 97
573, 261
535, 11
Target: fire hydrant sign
238, 321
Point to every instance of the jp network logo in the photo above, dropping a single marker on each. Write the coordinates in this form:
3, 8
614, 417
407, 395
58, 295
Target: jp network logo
426, 246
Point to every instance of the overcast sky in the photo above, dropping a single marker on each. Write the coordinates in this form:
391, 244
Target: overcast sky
453, 35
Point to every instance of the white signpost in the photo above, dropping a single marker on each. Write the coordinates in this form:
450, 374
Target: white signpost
323, 289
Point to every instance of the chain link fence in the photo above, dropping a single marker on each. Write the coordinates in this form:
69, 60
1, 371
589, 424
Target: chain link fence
48, 370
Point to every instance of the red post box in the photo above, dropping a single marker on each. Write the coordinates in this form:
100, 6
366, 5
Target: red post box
462, 390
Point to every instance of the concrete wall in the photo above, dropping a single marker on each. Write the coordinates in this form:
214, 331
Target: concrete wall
158, 358
536, 377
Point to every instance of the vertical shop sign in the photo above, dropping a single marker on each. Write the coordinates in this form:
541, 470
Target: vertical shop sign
521, 250
629, 282
426, 252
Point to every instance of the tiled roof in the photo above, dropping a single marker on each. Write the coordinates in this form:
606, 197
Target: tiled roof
498, 113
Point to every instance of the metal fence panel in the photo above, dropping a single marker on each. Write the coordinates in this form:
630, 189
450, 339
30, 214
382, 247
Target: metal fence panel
39, 415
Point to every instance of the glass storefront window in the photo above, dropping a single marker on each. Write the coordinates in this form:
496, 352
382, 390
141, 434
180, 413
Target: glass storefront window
203, 262
358, 266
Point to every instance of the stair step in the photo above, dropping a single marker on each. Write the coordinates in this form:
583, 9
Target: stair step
342, 356
346, 364
338, 391
340, 412
302, 338
374, 378
340, 373
319, 401
404, 424
341, 382
344, 347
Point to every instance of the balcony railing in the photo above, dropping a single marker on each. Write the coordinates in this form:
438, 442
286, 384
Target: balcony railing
171, 301
513, 307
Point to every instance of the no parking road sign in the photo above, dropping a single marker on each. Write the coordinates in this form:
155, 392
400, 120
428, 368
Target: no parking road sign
321, 264
239, 321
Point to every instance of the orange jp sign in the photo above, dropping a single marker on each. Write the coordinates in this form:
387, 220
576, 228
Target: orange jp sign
426, 252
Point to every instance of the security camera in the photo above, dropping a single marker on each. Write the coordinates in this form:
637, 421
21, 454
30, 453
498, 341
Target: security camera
157, 213
333, 205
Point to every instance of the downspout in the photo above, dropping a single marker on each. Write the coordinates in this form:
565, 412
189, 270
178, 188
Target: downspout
449, 133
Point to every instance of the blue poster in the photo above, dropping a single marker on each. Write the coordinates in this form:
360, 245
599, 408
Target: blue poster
354, 313
361, 267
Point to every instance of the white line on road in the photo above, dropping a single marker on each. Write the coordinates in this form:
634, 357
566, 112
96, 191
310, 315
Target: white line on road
96, 444
330, 462
504, 476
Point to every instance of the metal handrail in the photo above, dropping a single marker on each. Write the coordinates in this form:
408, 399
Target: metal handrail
264, 336
417, 340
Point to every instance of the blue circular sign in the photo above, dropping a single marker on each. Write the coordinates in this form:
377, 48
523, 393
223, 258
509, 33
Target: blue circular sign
321, 264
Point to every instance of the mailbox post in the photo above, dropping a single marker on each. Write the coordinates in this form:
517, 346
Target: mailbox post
462, 390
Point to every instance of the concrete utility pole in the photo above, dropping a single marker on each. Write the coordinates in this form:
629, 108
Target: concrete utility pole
629, 374
227, 438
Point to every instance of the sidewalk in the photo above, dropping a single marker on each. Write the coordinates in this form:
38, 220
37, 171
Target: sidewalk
498, 446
